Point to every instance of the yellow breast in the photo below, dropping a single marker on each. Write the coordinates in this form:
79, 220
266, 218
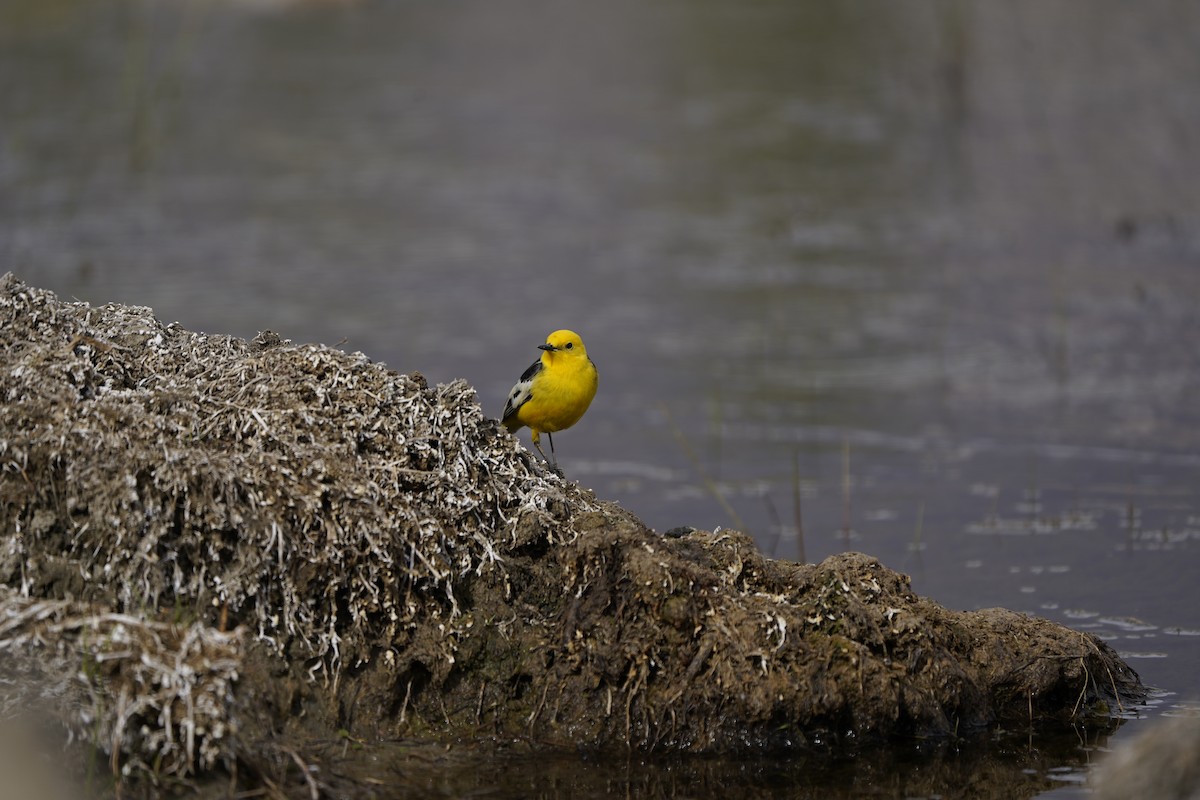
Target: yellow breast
561, 393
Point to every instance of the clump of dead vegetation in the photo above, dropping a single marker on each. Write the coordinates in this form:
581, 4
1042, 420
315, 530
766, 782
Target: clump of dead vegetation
308, 493
324, 503
158, 693
214, 548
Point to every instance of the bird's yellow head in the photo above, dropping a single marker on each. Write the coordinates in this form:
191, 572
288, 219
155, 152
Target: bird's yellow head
566, 344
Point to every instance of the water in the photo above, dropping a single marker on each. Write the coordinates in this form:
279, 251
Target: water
933, 268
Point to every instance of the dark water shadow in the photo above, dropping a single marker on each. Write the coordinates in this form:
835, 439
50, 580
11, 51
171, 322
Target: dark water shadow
1002, 764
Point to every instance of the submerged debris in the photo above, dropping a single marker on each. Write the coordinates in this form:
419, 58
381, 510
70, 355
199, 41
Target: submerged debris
260, 540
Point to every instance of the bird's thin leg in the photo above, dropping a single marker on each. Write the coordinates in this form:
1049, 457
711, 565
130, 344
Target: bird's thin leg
553, 459
551, 462
541, 452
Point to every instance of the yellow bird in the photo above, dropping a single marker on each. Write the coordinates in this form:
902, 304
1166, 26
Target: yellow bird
554, 392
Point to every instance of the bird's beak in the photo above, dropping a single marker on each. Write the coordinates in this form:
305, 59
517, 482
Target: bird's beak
549, 348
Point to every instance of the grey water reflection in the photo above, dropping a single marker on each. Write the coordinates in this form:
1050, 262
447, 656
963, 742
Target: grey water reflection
927, 273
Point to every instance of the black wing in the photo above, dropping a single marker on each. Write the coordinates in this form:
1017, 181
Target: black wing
521, 392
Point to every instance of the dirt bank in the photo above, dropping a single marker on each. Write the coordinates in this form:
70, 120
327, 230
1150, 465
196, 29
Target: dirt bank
209, 546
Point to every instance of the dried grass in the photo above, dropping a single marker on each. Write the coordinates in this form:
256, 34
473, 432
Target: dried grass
323, 501
159, 694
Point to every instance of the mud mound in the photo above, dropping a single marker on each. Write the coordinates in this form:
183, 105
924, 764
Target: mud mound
704, 644
314, 543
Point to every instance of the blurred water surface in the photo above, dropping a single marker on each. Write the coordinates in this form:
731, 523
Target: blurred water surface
931, 268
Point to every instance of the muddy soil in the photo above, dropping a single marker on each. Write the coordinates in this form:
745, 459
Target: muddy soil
213, 551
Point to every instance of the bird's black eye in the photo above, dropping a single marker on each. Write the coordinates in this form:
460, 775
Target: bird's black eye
570, 345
